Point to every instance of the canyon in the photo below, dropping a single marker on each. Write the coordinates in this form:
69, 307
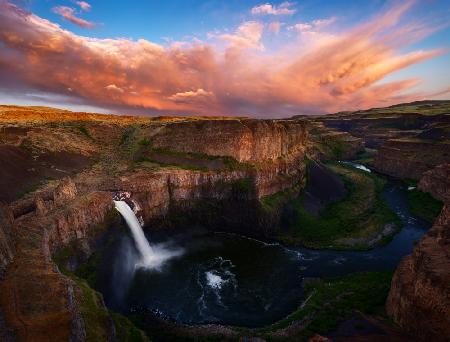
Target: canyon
61, 170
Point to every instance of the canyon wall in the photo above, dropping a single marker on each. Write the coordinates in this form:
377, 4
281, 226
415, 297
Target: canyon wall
419, 298
7, 247
37, 302
437, 182
377, 127
244, 140
73, 213
410, 158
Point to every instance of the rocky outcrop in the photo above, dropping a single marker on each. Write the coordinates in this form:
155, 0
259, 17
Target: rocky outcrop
410, 158
333, 144
437, 182
244, 140
7, 247
38, 303
376, 127
419, 298
231, 196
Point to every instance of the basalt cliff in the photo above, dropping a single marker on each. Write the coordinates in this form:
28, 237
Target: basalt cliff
419, 299
213, 171
60, 171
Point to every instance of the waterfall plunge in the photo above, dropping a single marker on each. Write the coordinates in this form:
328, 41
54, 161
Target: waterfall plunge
150, 257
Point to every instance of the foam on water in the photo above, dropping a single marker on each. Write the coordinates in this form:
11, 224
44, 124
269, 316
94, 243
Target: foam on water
214, 280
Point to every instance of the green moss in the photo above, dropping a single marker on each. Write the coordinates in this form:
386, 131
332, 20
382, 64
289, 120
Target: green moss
330, 301
84, 131
126, 331
243, 185
229, 162
128, 134
30, 188
423, 205
273, 202
88, 269
145, 142
361, 215
95, 315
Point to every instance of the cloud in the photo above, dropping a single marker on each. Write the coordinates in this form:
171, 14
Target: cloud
346, 70
313, 26
114, 88
268, 9
69, 14
274, 27
247, 35
198, 97
84, 5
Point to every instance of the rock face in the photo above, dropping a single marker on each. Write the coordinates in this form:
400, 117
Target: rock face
419, 300
244, 140
33, 228
419, 297
410, 158
7, 248
334, 144
37, 302
376, 127
437, 182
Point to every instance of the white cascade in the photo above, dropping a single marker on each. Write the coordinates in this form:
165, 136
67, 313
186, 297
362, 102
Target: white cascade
149, 257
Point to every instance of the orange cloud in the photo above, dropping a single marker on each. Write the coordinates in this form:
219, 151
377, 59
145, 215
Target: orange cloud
69, 14
247, 35
330, 73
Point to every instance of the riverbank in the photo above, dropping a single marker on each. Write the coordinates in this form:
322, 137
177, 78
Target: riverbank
359, 221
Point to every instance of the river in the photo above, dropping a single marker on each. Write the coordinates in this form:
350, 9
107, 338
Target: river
230, 279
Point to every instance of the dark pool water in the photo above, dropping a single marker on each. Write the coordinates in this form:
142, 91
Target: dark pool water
229, 279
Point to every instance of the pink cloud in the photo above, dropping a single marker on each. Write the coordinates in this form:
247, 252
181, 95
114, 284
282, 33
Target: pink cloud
69, 14
347, 70
274, 27
283, 9
313, 26
247, 35
84, 5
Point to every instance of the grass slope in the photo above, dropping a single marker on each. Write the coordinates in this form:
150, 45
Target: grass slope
332, 300
347, 224
423, 206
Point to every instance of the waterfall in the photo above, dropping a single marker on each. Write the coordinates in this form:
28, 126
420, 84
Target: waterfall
149, 257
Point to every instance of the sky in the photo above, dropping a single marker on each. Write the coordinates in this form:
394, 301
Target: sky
242, 58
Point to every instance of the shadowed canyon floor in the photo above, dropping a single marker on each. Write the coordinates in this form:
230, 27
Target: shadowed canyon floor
273, 188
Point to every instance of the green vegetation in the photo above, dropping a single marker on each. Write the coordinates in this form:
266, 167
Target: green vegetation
95, 315
127, 134
183, 160
145, 142
174, 166
126, 331
97, 318
84, 131
423, 107
365, 156
275, 201
423, 205
242, 185
331, 148
351, 223
330, 301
